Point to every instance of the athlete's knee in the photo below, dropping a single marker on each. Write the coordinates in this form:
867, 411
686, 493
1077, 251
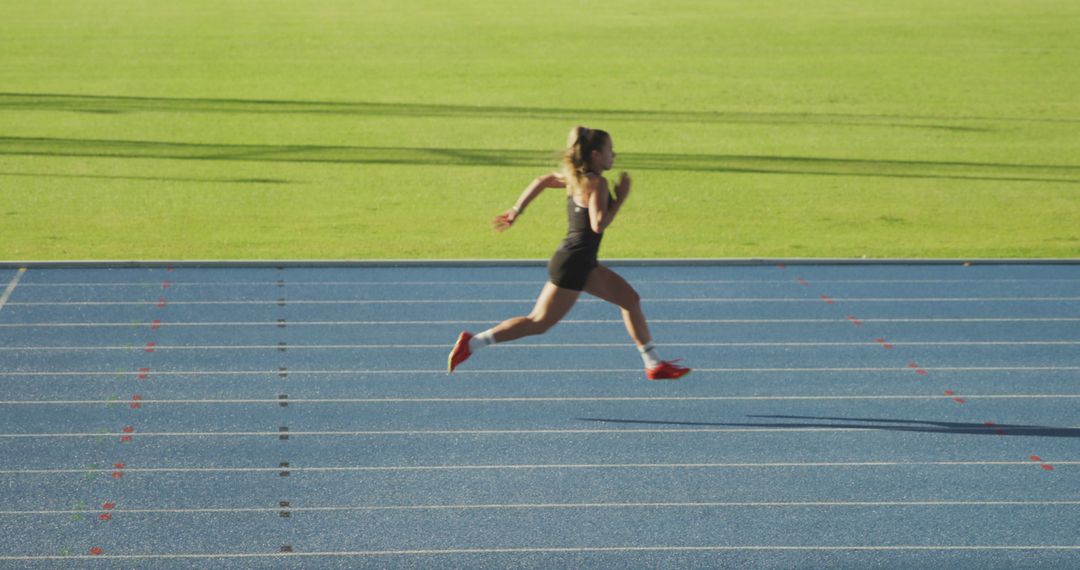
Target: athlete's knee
630, 301
542, 323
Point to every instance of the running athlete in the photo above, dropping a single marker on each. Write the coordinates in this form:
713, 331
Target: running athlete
574, 268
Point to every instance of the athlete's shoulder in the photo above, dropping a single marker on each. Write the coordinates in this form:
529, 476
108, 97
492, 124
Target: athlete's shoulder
595, 182
555, 180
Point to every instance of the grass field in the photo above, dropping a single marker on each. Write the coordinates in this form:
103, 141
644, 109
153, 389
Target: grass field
780, 128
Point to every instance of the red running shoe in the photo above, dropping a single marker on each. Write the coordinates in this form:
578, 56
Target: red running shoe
666, 370
460, 353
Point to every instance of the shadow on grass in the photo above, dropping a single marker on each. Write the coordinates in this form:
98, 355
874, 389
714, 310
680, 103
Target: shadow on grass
917, 426
112, 105
150, 178
537, 159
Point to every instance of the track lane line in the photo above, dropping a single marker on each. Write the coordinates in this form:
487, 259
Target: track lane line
527, 345
1016, 431
11, 287
341, 302
527, 399
536, 467
548, 550
563, 322
533, 282
113, 373
553, 506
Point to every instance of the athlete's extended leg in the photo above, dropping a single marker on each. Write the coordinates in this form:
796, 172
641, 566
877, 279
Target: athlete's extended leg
611, 287
551, 306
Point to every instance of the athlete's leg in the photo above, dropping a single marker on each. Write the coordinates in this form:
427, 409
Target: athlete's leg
611, 287
551, 306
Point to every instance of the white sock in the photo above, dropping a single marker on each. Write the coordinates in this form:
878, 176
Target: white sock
649, 355
481, 340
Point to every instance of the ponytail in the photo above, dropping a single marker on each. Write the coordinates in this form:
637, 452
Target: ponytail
580, 144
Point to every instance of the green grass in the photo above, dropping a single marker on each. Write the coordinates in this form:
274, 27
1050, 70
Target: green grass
801, 128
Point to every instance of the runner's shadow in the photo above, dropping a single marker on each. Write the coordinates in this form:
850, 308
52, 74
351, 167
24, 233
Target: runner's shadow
917, 426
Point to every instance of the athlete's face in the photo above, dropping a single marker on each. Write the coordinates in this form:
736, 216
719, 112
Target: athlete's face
604, 158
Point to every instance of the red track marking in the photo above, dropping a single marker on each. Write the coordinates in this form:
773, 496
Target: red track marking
155, 325
144, 373
883, 343
854, 321
166, 285
782, 266
1046, 466
136, 402
118, 473
150, 346
914, 366
96, 551
957, 400
169, 269
998, 431
803, 282
161, 302
127, 430
827, 299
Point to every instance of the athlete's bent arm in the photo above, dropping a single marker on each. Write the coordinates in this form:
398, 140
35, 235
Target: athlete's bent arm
506, 219
602, 207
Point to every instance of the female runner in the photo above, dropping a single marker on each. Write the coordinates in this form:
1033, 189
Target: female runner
574, 268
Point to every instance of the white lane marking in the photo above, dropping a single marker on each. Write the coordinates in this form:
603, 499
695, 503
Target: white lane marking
541, 399
11, 287
274, 283
422, 432
564, 322
370, 433
537, 371
338, 302
532, 467
546, 550
526, 345
550, 506
539, 550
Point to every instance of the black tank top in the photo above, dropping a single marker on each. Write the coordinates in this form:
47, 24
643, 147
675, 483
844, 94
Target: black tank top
579, 235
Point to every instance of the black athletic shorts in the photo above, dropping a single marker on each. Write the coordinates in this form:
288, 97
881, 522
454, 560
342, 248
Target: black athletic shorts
570, 270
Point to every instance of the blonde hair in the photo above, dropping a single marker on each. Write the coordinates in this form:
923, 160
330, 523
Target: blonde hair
580, 144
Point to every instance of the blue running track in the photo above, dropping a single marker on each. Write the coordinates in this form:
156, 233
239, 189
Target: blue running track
841, 416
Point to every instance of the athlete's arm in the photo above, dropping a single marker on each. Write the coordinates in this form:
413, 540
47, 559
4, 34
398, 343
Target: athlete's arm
603, 207
506, 219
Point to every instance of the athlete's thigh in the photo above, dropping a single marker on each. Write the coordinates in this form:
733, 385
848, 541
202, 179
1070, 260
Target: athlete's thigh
554, 302
611, 287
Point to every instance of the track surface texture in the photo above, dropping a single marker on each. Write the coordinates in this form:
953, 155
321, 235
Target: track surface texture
844, 416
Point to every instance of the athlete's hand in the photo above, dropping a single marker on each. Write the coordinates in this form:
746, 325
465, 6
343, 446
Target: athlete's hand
503, 221
622, 189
